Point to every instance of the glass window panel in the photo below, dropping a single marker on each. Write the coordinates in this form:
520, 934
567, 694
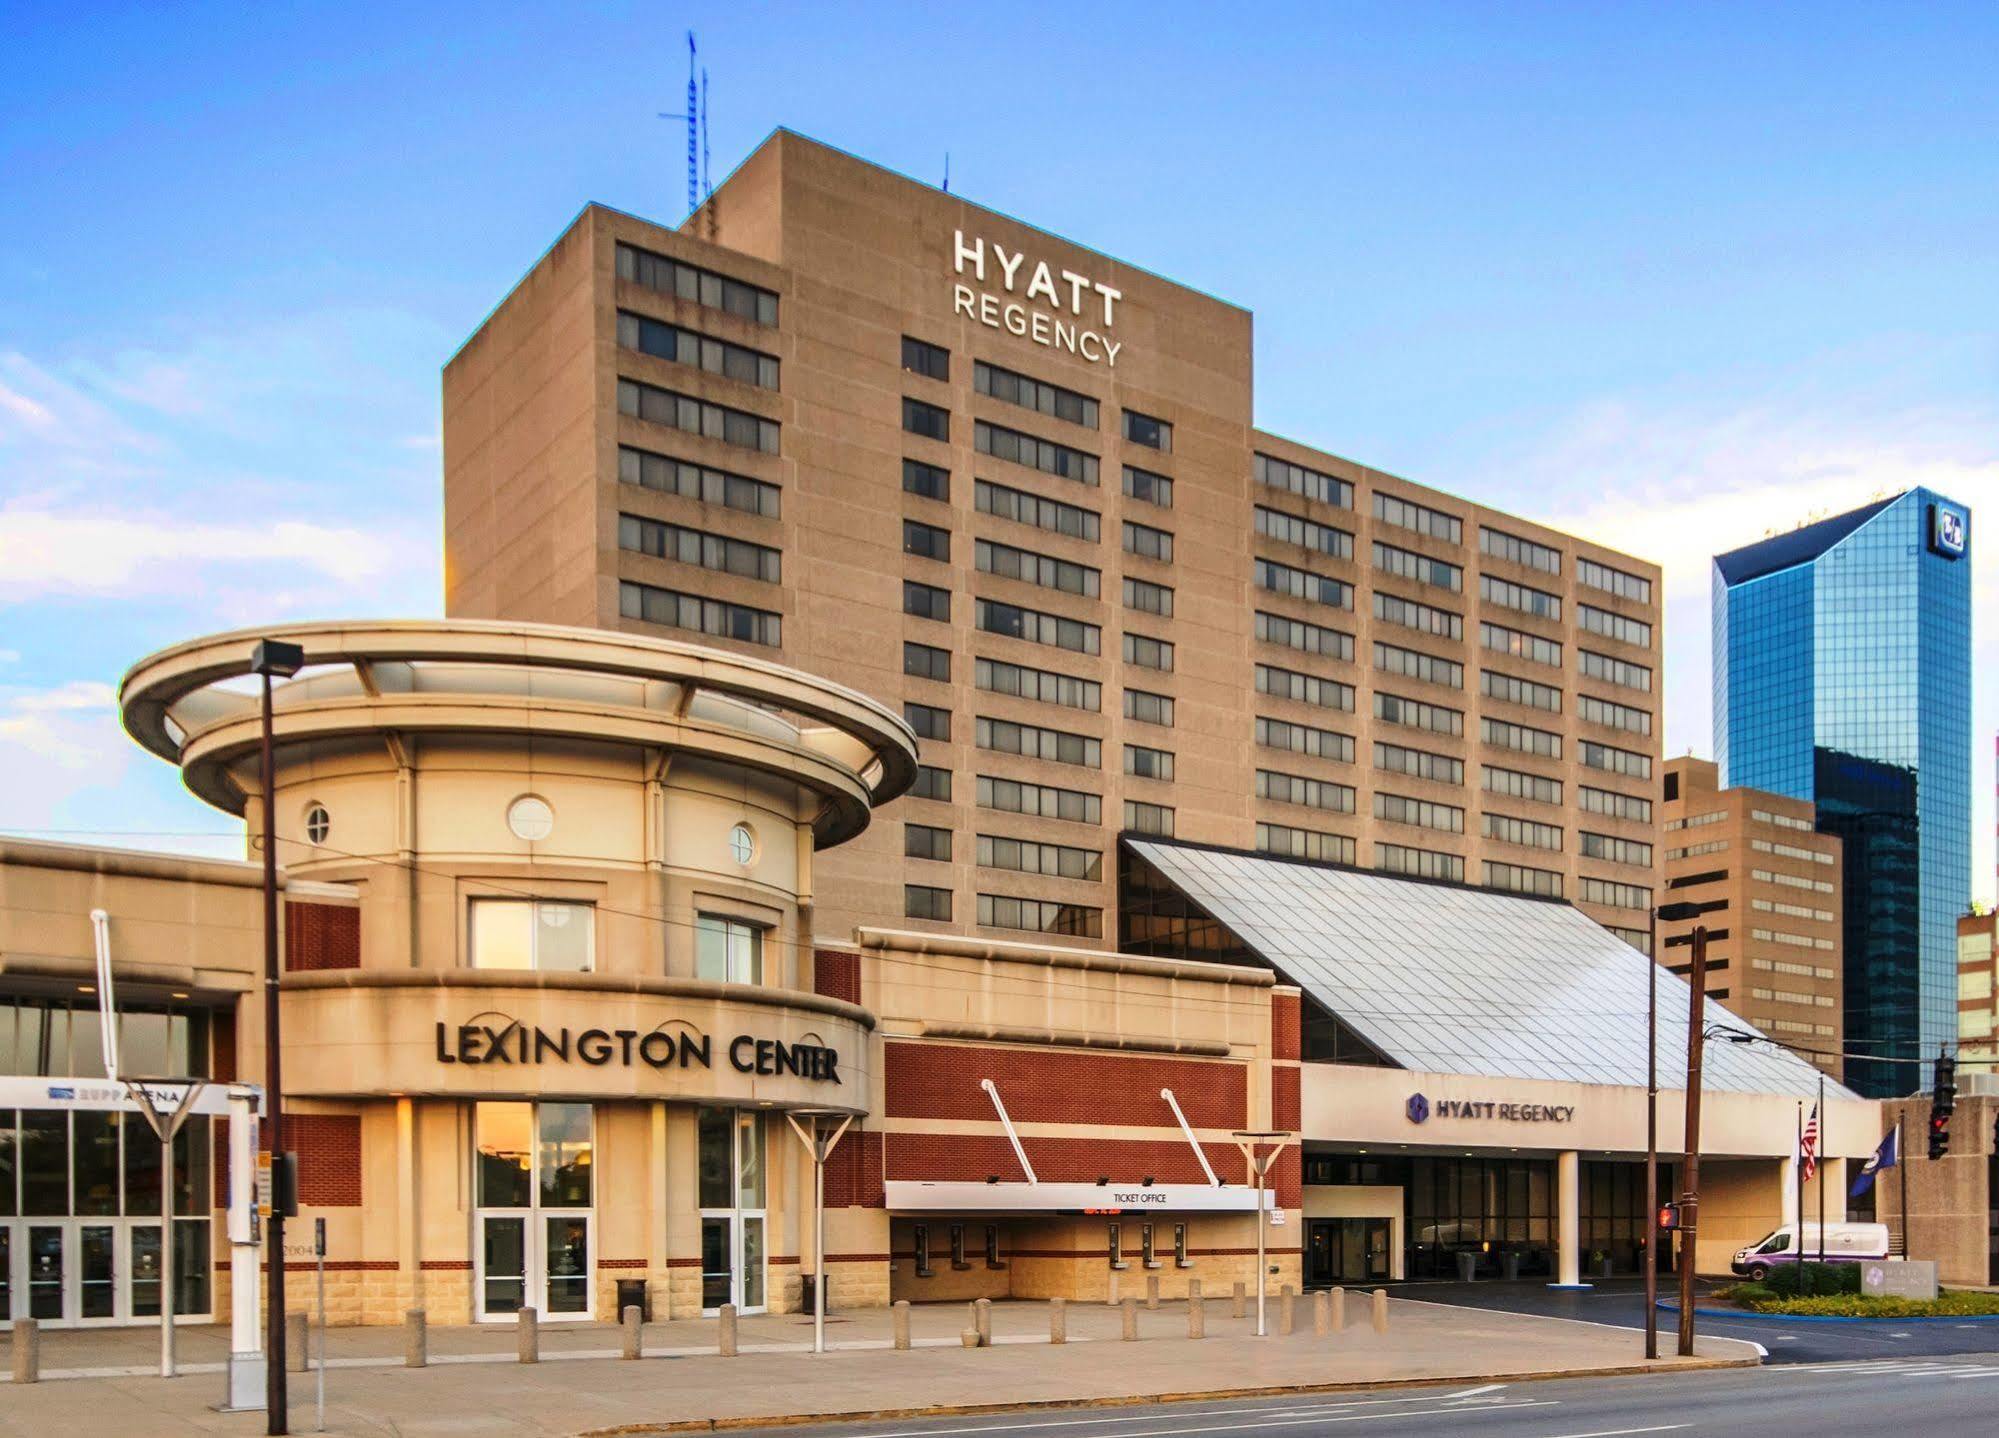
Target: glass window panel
562, 938
505, 1265
44, 1162
9, 1166
505, 1152
567, 1258
95, 1166
191, 1266
146, 1270
753, 1261
715, 1158
566, 1153
750, 1160
142, 1167
142, 1044
192, 1149
502, 934
717, 1268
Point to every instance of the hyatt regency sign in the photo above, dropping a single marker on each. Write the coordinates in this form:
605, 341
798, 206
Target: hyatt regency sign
1056, 308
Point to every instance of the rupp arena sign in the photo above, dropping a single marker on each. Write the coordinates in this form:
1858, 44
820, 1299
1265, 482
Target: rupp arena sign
1062, 291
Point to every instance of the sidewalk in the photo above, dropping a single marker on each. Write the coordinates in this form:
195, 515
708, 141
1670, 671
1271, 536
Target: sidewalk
99, 1381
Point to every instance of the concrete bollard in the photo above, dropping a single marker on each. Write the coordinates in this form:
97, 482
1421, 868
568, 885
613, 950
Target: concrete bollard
416, 1339
1380, 1310
295, 1344
1152, 1291
1197, 1311
1339, 1297
634, 1331
1322, 1313
725, 1330
899, 1317
1287, 1309
969, 1337
1111, 1300
529, 1335
1241, 1297
982, 1320
1130, 1307
27, 1351
1058, 1320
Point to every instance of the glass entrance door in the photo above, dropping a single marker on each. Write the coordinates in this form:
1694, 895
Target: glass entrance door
1320, 1236
731, 1184
533, 1245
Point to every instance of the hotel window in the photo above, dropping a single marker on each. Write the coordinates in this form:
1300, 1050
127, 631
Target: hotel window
1511, 547
1520, 737
1297, 634
1694, 851
1034, 742
1152, 488
1041, 685
926, 601
544, 934
1791, 851
1423, 618
1525, 832
928, 420
1148, 653
1613, 671
1303, 584
1308, 483
1614, 716
1419, 763
1517, 785
1017, 448
1290, 529
1036, 916
1313, 844
1052, 400
926, 541
1045, 801
1024, 508
1782, 821
1519, 879
691, 282
1614, 626
1152, 433
926, 661
699, 548
728, 950
711, 421
1304, 739
1418, 863
1408, 564
697, 351
922, 357
1156, 819
1147, 542
1791, 881
1613, 581
1042, 570
1692, 821
931, 783
1014, 622
1615, 761
1393, 709
694, 481
1523, 597
1617, 851
1414, 664
1423, 813
1639, 939
1148, 598
1309, 793
1515, 690
702, 616
1422, 519
1305, 688
1520, 645
1147, 707
1614, 895
1795, 911
928, 721
922, 841
1143, 763
922, 901
1056, 861
926, 479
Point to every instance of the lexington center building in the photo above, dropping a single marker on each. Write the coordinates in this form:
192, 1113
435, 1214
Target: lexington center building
555, 978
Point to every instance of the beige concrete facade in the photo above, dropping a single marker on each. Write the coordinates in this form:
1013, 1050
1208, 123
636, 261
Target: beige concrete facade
1772, 885
612, 393
1977, 991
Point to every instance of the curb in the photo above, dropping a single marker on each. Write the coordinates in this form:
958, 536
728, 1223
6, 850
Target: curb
1834, 1317
1203, 1395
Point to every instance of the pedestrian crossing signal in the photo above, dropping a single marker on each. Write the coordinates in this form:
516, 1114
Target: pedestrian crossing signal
1669, 1217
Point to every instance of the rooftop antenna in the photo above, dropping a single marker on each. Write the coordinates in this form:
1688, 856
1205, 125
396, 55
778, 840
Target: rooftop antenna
707, 190
947, 172
694, 116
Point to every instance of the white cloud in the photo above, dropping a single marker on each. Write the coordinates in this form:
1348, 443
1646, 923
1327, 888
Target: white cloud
73, 726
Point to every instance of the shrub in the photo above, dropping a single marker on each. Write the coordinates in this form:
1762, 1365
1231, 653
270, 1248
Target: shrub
1814, 1280
1953, 1303
1747, 1293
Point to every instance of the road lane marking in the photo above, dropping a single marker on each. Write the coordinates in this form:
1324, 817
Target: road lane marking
1474, 1392
1264, 1408
1351, 1418
1616, 1432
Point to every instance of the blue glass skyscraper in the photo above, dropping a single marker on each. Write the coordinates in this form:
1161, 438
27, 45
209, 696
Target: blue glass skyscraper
1842, 674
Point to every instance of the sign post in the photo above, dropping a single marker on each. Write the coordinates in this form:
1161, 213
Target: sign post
165, 1104
819, 1142
319, 1259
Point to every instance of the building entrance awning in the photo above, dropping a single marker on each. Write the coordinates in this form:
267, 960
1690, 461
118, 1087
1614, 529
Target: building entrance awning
912, 1196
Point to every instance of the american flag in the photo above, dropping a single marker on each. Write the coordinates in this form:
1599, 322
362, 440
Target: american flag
1808, 1145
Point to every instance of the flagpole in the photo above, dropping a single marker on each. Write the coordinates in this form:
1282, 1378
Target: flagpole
1902, 1163
1819, 1147
1798, 1158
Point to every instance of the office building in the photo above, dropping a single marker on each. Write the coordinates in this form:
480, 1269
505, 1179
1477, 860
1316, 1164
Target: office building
1015, 489
1770, 885
1842, 676
1977, 993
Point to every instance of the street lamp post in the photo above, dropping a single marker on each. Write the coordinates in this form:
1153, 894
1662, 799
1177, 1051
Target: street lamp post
1652, 1139
819, 1144
273, 657
1253, 1144
1690, 1181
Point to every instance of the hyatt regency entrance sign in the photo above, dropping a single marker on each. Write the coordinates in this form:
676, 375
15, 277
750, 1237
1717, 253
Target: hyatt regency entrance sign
1056, 308
517, 1043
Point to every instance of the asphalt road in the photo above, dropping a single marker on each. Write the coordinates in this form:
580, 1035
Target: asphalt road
1621, 1302
1941, 1395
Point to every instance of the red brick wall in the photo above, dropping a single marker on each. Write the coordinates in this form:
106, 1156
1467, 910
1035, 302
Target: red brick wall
222, 1047
854, 1172
836, 975
1285, 1102
972, 1158
322, 936
1286, 1022
934, 1080
328, 1146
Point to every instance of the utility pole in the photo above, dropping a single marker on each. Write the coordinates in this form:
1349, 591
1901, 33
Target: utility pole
1652, 1139
1690, 1180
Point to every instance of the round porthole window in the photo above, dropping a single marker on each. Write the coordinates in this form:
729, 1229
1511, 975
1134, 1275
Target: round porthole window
530, 818
742, 844
318, 823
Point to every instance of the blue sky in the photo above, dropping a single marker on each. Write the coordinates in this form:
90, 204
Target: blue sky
1671, 276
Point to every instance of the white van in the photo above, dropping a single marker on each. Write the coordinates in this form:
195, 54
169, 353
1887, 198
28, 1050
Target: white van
1844, 1243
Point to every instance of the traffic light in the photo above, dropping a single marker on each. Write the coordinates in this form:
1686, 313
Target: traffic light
1939, 1134
1943, 1100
